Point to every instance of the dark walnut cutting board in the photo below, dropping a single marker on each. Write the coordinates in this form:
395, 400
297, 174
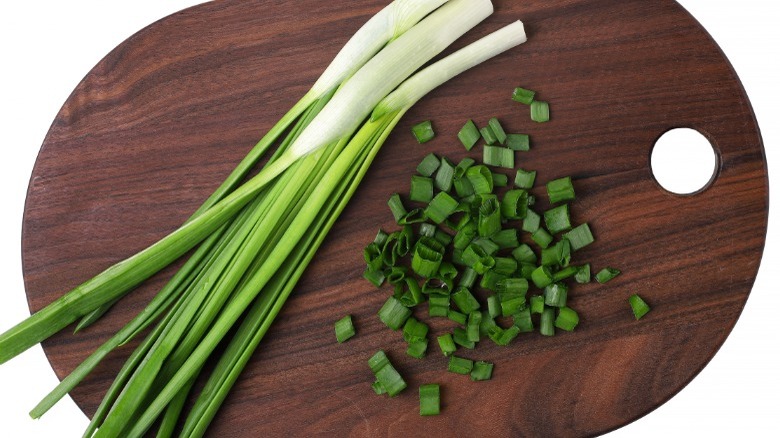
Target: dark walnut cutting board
159, 122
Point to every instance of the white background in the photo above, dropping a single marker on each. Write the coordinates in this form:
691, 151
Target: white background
48, 46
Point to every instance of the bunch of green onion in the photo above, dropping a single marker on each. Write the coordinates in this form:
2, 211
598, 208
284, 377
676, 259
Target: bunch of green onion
252, 240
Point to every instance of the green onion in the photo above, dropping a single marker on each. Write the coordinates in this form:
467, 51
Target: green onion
488, 135
567, 319
532, 221
396, 207
500, 180
518, 142
542, 277
380, 239
415, 216
414, 330
566, 272
469, 135
372, 254
547, 322
525, 179
468, 278
421, 189
537, 304
522, 319
638, 306
498, 156
428, 255
394, 314
460, 181
540, 111
472, 327
498, 130
417, 348
423, 131
344, 329
505, 266
583, 274
494, 306
446, 344
458, 317
441, 207
504, 337
558, 255
542, 237
481, 371
491, 279
526, 270
427, 230
579, 237
560, 190
607, 274
429, 400
481, 179
438, 305
524, 254
445, 175
376, 277
489, 217
428, 165
555, 295
461, 337
523, 96
460, 365
557, 219
465, 301
506, 238
514, 205
464, 236
386, 376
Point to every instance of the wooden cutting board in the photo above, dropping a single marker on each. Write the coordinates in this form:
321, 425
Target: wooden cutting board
158, 123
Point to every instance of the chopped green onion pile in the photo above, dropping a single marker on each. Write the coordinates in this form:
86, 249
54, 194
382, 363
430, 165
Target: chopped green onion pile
482, 255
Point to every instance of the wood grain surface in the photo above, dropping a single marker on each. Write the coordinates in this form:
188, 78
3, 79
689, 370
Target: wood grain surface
159, 122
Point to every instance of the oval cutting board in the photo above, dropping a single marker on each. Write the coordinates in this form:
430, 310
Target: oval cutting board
158, 123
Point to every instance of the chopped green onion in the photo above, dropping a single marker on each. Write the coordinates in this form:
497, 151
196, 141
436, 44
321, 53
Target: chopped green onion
524, 179
532, 221
447, 271
498, 130
524, 254
421, 189
428, 255
526, 270
375, 277
583, 274
414, 330
344, 329
458, 317
378, 388
396, 207
506, 238
504, 337
488, 323
461, 182
465, 301
465, 236
491, 279
441, 207
498, 156
540, 111
472, 327
427, 230
394, 314
542, 237
415, 296
518, 142
542, 277
438, 305
494, 306
423, 131
415, 216
468, 278
481, 179
444, 175
460, 365
417, 348
446, 344
429, 400
381, 238
505, 266
514, 205
461, 337
558, 219
487, 245
607, 274
481, 371
386, 376
405, 241
558, 255
488, 135
523, 96
443, 237
372, 254
638, 306
522, 319
579, 237
428, 165
567, 319
396, 274
560, 190
537, 304
469, 135
547, 322
500, 180
566, 272
489, 217
555, 295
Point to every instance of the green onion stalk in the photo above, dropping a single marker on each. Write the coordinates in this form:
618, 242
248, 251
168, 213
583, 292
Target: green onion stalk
254, 240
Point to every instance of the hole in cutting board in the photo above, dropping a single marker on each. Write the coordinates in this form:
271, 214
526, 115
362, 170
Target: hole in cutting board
683, 161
